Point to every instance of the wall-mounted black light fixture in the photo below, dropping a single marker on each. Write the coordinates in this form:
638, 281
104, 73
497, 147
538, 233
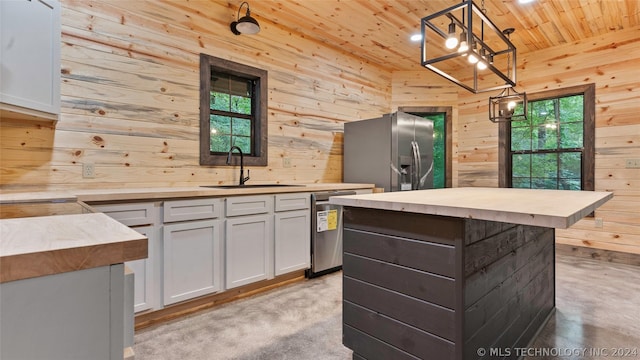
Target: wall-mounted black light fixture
246, 24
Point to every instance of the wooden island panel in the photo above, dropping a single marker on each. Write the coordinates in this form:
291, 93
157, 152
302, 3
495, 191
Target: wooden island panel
420, 286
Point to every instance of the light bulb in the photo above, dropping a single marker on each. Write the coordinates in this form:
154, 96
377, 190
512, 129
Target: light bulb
463, 43
472, 57
452, 39
451, 42
511, 105
463, 47
482, 64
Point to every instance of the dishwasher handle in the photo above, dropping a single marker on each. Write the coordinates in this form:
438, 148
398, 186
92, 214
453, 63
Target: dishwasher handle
324, 196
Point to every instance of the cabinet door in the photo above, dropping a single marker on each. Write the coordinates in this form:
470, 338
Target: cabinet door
192, 260
249, 205
30, 54
294, 201
249, 249
146, 291
132, 214
292, 241
71, 315
192, 209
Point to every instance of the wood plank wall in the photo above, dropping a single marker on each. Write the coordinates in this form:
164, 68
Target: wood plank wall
130, 99
130, 106
611, 62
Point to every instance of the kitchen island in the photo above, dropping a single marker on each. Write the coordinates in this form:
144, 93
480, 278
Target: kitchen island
64, 293
459, 273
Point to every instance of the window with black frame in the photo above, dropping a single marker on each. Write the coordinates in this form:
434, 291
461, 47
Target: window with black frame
554, 147
233, 111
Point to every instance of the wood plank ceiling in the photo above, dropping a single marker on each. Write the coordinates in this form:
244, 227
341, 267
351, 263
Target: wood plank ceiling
379, 30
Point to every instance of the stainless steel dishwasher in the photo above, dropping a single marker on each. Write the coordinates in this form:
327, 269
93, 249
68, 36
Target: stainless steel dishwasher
326, 233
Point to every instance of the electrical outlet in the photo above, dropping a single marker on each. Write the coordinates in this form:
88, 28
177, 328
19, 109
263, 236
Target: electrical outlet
286, 162
88, 171
598, 222
632, 164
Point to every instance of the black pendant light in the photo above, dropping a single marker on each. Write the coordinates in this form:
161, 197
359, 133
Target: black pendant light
246, 24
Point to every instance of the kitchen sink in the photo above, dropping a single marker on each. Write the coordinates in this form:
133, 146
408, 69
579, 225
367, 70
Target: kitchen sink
248, 186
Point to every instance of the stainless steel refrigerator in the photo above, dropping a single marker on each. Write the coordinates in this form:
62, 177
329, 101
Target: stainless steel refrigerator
394, 151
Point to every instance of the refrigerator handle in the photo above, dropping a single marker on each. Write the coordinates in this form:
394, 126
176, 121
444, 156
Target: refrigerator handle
415, 158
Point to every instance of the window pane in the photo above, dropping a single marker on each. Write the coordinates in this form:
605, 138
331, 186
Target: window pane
570, 165
571, 135
545, 136
241, 105
544, 165
521, 165
241, 127
439, 145
220, 124
544, 183
240, 86
219, 101
522, 183
571, 108
521, 138
244, 143
220, 143
542, 111
569, 184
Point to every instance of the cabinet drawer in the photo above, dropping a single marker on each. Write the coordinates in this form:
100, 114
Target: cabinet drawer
296, 201
129, 214
198, 209
249, 205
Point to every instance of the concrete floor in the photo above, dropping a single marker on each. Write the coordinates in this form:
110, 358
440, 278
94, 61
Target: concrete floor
597, 312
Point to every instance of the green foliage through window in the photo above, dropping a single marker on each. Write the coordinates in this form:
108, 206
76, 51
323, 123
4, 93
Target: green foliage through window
233, 111
231, 116
439, 138
547, 148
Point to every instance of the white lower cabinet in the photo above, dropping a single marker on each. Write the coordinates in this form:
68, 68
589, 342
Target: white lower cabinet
202, 246
72, 315
144, 297
249, 249
292, 241
292, 232
192, 260
143, 218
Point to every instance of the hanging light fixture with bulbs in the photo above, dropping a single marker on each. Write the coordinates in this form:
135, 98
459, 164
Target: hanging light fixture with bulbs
477, 58
510, 105
246, 24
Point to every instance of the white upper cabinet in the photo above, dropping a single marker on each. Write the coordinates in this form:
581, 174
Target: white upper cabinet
30, 58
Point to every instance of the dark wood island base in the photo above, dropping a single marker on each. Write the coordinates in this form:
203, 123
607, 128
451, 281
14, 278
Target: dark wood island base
422, 286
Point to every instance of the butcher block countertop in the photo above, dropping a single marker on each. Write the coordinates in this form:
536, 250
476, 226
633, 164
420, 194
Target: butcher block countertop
547, 208
50, 232
72, 239
99, 195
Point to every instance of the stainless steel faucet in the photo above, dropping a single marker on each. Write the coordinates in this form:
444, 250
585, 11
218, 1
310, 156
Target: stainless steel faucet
242, 178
